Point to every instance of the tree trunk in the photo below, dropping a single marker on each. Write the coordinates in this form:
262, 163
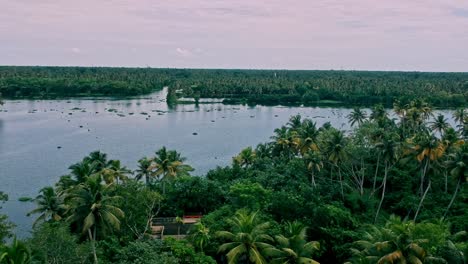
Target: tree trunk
312, 179
422, 200
341, 183
375, 174
93, 244
383, 192
423, 176
453, 197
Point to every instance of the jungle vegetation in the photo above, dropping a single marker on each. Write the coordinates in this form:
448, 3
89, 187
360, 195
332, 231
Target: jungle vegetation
390, 191
239, 86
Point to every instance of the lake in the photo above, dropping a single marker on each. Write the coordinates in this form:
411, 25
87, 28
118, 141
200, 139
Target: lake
39, 140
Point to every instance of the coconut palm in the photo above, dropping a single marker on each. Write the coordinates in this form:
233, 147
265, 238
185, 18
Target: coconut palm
82, 170
16, 253
114, 172
388, 151
440, 124
50, 206
247, 239
378, 113
305, 138
357, 116
460, 115
293, 247
144, 170
199, 235
246, 157
335, 146
295, 122
169, 165
458, 166
98, 158
393, 243
427, 149
93, 209
314, 163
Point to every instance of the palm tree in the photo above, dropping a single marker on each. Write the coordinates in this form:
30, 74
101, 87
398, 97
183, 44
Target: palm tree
144, 170
114, 172
82, 170
49, 205
293, 248
314, 163
294, 122
92, 208
378, 113
305, 138
246, 157
169, 165
248, 239
427, 149
98, 158
335, 146
460, 115
16, 253
388, 151
458, 166
440, 124
199, 235
357, 116
393, 243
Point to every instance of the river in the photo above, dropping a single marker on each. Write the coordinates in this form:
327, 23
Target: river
39, 139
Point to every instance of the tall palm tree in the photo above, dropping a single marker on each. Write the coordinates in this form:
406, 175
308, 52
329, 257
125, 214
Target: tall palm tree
246, 157
114, 172
460, 115
357, 116
50, 206
314, 163
92, 208
458, 166
440, 124
248, 239
305, 137
293, 247
144, 169
388, 150
16, 253
335, 146
169, 165
427, 149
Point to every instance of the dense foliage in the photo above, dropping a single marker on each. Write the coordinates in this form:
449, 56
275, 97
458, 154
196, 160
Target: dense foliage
251, 86
390, 191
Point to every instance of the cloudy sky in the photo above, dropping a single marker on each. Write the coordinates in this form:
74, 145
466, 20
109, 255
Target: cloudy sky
423, 35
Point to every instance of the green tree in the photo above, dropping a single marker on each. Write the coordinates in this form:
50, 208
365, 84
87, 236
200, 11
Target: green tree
16, 253
293, 247
357, 116
50, 206
248, 239
144, 170
93, 208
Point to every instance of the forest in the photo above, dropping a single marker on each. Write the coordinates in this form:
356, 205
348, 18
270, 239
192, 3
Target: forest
358, 88
391, 191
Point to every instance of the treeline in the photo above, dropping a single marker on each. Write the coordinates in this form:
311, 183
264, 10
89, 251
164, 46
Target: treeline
241, 86
392, 191
52, 82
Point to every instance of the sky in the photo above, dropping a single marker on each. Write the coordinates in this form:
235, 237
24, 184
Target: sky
408, 35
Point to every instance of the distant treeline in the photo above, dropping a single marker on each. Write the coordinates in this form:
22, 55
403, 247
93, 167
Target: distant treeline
29, 82
249, 86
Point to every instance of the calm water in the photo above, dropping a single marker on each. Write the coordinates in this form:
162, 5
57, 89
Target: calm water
31, 131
